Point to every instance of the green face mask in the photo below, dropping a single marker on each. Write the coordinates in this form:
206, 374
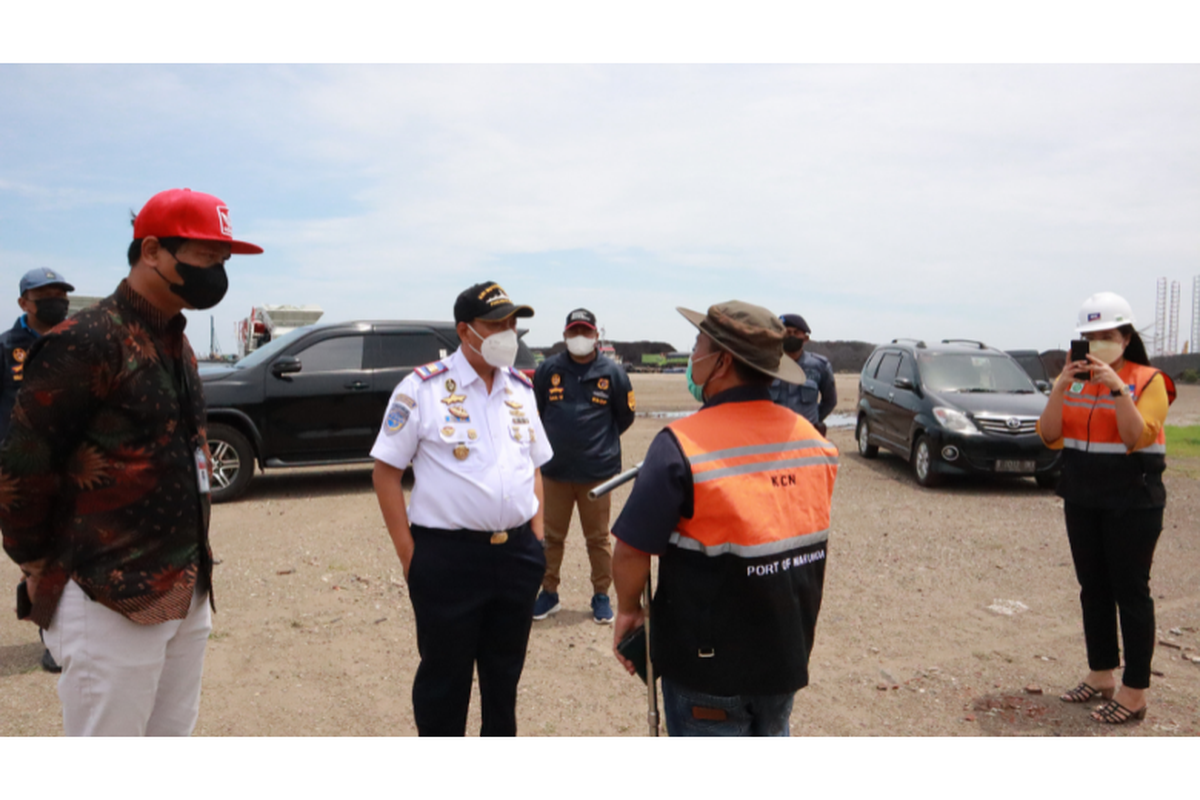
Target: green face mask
697, 391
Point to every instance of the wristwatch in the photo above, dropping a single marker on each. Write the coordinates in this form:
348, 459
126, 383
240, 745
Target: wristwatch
1119, 392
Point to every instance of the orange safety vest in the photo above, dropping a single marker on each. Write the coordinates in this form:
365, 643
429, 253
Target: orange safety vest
1098, 470
1089, 415
761, 477
741, 581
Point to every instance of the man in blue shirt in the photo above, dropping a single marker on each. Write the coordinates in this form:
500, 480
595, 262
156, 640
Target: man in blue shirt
816, 398
586, 402
44, 300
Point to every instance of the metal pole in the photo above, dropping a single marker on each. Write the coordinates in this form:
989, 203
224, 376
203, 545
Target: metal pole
651, 688
614, 482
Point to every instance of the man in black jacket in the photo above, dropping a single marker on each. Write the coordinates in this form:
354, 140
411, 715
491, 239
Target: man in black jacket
44, 300
586, 402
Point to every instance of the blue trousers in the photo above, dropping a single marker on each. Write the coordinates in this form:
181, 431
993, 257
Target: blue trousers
474, 607
692, 713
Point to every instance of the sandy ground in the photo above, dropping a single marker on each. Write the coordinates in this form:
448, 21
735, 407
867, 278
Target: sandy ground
950, 612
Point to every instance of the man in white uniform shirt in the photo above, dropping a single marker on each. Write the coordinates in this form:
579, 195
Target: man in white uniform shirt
470, 542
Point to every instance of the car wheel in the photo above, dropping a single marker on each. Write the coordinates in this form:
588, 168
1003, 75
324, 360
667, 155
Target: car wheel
865, 448
923, 464
1048, 480
233, 462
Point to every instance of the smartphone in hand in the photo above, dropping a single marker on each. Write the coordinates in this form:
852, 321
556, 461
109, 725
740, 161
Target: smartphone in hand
1079, 352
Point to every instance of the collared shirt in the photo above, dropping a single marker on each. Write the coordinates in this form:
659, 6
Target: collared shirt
473, 453
816, 398
663, 491
99, 472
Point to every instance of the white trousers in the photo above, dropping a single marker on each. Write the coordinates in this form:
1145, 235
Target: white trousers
124, 679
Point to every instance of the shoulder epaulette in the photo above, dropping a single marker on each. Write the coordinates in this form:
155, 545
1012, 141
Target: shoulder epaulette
427, 371
516, 373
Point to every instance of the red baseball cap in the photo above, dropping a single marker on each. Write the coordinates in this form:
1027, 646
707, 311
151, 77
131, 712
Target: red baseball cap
191, 215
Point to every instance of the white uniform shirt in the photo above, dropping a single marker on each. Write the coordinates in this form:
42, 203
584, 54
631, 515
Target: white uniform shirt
473, 454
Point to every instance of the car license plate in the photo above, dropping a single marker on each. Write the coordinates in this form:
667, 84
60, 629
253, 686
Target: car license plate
1015, 465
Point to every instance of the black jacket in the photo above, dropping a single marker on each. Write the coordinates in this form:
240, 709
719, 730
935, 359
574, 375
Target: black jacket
14, 349
584, 408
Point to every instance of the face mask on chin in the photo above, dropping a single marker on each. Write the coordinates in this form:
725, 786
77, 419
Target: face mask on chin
202, 287
697, 391
51, 310
1106, 350
581, 345
498, 350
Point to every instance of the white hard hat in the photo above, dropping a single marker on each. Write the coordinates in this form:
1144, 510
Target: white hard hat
1104, 311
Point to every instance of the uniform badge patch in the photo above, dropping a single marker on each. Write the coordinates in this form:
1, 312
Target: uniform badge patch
18, 355
397, 415
632, 401
602, 384
427, 371
555, 379
459, 414
406, 400
1076, 387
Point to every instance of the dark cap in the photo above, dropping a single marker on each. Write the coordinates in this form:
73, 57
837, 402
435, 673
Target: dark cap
37, 278
489, 302
751, 334
581, 316
795, 321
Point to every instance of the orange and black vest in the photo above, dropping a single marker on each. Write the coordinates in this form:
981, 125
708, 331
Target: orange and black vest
740, 582
1097, 470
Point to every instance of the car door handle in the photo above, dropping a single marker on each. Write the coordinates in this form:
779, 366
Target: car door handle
357, 386
891, 395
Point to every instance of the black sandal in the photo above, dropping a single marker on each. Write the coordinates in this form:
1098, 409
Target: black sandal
1083, 692
1113, 713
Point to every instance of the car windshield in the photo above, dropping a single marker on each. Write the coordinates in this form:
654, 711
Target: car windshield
271, 348
955, 372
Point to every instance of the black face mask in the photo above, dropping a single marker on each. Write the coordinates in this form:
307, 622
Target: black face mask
202, 287
792, 344
51, 310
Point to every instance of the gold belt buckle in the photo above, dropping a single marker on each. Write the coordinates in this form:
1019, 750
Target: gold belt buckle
499, 537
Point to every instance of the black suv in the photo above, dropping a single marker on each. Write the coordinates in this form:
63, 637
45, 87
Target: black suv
953, 408
315, 396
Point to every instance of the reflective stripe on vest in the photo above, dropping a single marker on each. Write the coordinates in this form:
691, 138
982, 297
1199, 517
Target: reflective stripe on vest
762, 479
1090, 415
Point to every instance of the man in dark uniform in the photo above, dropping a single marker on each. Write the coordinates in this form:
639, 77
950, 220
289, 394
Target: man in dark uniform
816, 398
735, 502
586, 402
44, 300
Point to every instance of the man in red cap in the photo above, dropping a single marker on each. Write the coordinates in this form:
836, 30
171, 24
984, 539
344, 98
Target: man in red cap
104, 482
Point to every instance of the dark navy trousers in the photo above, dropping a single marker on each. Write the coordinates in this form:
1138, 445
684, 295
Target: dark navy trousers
473, 602
1113, 550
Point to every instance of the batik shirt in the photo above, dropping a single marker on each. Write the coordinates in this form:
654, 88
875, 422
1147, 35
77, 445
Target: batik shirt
99, 471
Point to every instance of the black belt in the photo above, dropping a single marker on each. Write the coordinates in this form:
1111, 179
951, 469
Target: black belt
484, 537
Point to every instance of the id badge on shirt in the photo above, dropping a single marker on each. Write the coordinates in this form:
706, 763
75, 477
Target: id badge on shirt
202, 471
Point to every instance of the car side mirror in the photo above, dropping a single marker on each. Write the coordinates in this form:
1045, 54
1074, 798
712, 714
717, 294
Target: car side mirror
1043, 386
904, 383
285, 365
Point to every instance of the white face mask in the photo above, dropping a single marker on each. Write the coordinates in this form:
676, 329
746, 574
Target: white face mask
581, 345
1106, 350
499, 350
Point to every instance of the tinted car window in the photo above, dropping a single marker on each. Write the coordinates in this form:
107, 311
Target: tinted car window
908, 368
953, 372
331, 355
408, 349
888, 367
872, 364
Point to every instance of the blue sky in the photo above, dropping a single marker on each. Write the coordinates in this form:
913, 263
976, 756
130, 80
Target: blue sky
878, 201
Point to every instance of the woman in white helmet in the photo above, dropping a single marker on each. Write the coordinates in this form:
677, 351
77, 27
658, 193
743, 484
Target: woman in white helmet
1110, 427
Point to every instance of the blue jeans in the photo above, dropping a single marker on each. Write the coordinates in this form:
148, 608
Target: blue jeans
692, 713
